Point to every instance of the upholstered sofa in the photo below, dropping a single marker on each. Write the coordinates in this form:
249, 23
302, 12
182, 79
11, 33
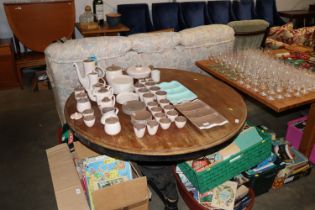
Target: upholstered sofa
178, 50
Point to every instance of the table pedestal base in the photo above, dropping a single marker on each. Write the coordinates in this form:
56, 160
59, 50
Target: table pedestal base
162, 180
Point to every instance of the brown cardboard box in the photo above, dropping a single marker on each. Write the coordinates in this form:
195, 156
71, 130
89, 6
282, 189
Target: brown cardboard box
131, 195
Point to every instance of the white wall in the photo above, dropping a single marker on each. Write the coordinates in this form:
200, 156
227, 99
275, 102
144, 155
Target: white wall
110, 5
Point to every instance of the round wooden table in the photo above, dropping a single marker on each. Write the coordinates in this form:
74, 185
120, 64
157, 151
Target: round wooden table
173, 144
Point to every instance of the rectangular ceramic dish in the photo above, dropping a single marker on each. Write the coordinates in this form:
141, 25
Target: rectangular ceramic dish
201, 114
176, 92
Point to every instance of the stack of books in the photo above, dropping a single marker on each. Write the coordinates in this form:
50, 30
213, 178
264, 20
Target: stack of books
100, 172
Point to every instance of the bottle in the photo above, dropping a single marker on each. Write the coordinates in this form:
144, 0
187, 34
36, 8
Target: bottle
98, 11
87, 16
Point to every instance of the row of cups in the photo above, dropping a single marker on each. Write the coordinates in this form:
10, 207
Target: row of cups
153, 125
164, 114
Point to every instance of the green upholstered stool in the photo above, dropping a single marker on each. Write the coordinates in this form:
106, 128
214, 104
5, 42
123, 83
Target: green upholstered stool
249, 33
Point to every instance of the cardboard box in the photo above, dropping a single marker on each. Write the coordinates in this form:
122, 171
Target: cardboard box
130, 195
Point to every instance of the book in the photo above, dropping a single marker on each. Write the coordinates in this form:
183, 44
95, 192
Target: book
103, 171
223, 196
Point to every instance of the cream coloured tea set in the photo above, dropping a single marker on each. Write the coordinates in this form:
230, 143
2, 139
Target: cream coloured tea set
144, 101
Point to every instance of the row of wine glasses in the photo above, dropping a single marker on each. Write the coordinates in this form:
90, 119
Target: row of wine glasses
260, 72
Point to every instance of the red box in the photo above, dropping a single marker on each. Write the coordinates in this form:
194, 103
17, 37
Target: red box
295, 132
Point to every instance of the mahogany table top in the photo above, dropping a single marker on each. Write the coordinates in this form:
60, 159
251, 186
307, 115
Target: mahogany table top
172, 144
276, 105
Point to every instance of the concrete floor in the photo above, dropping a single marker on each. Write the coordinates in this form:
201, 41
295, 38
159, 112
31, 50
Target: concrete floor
28, 126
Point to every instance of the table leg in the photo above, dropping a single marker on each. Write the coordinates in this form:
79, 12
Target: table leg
308, 139
162, 180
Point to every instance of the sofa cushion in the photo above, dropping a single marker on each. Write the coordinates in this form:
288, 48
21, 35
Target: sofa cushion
83, 48
206, 35
277, 31
288, 35
154, 42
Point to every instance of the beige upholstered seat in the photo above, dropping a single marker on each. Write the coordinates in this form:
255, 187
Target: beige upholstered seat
249, 33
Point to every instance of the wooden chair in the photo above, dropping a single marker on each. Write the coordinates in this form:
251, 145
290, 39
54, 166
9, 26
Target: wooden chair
36, 25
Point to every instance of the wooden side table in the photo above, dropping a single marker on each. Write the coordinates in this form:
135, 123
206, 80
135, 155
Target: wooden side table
8, 77
102, 30
303, 17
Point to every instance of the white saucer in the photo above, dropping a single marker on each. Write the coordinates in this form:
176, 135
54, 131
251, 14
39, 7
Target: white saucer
138, 72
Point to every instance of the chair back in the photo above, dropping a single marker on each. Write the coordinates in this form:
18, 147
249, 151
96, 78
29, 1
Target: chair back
243, 9
166, 15
136, 17
220, 11
267, 10
194, 14
38, 24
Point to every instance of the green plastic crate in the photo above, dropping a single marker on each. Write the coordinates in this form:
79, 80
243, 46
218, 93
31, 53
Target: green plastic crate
232, 166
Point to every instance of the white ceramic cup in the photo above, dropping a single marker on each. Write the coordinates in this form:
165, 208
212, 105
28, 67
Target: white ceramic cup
180, 121
159, 116
138, 86
108, 112
172, 114
83, 104
152, 126
160, 95
155, 110
148, 97
155, 75
164, 102
154, 89
89, 120
168, 107
142, 91
165, 123
152, 104
139, 130
112, 126
149, 84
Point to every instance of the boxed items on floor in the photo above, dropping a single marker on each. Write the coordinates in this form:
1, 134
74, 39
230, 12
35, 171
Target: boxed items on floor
70, 194
205, 183
295, 132
263, 175
229, 195
246, 151
296, 166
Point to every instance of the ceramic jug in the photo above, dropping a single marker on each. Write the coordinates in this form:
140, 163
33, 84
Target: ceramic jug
108, 112
88, 79
103, 92
90, 66
107, 102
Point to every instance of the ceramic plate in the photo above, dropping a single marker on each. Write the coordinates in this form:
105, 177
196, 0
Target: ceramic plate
176, 92
138, 72
123, 98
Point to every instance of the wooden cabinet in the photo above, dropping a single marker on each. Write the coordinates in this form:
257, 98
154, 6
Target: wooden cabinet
8, 77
